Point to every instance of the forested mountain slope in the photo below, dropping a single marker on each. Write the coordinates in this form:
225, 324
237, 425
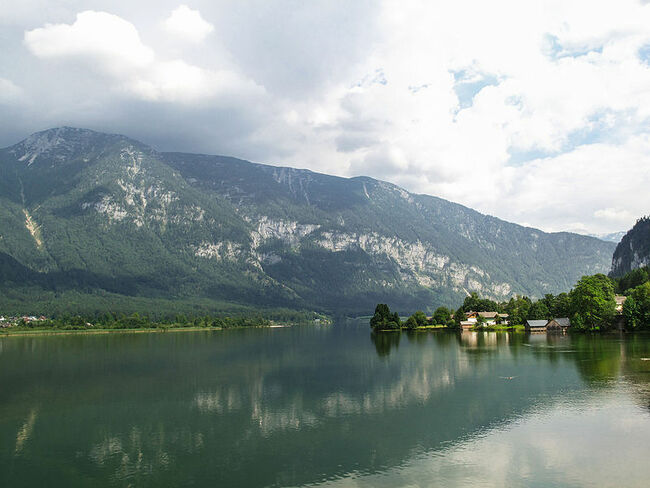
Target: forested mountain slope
104, 215
634, 249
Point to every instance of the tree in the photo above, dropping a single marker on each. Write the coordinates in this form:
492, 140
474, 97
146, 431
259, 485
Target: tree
549, 301
477, 304
538, 311
459, 316
636, 308
517, 309
471, 302
633, 279
562, 306
577, 322
396, 323
441, 316
412, 322
382, 316
631, 313
420, 318
593, 299
480, 321
383, 319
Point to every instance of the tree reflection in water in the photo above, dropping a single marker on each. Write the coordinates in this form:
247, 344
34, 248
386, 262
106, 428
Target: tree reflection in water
385, 341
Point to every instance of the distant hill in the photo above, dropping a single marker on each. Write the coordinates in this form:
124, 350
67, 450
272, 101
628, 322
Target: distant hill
103, 221
611, 237
634, 249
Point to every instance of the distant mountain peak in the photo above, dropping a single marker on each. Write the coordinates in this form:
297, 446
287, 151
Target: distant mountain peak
61, 143
614, 237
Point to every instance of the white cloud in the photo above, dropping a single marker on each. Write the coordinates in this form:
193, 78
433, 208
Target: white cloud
177, 81
111, 45
95, 36
188, 24
615, 214
584, 108
606, 181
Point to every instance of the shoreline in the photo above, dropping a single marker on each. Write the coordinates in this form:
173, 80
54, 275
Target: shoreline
18, 333
513, 328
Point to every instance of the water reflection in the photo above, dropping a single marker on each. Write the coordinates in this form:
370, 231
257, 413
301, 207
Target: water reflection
541, 449
385, 341
25, 431
308, 405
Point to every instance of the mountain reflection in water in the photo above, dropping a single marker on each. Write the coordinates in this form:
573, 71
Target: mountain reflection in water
335, 406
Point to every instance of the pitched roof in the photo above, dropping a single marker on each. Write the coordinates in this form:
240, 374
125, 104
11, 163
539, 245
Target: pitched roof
488, 315
563, 321
620, 299
537, 323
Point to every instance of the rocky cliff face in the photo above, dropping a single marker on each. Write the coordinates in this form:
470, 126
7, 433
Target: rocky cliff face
92, 211
634, 249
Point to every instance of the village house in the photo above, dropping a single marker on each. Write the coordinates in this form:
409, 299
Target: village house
494, 318
536, 325
561, 324
490, 318
556, 324
466, 324
471, 317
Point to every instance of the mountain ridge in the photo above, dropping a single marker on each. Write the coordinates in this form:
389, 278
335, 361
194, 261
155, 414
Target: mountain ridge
221, 228
633, 251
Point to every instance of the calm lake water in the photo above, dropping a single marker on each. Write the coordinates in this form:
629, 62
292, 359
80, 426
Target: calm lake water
326, 406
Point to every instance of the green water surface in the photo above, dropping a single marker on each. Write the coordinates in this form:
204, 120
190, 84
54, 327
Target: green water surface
327, 406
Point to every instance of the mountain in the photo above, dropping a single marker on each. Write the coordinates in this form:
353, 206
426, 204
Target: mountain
101, 219
614, 237
634, 249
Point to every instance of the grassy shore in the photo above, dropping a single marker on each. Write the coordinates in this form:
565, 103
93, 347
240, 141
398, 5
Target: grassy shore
504, 327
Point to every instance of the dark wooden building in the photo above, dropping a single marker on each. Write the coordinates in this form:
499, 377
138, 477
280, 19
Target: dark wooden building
561, 324
536, 325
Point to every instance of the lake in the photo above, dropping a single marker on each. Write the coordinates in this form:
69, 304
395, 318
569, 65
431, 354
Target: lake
326, 406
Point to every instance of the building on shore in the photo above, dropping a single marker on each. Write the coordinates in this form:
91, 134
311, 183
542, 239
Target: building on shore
471, 317
561, 324
466, 324
489, 318
536, 325
620, 300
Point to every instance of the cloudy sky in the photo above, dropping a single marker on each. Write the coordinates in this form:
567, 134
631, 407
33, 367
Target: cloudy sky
536, 111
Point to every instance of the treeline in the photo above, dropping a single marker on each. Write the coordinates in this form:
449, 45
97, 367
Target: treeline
591, 305
138, 321
384, 319
635, 285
